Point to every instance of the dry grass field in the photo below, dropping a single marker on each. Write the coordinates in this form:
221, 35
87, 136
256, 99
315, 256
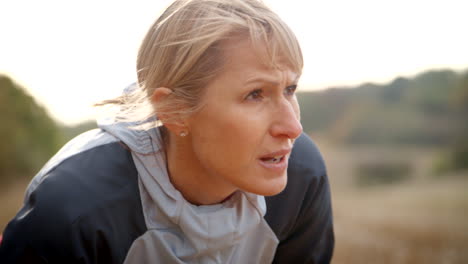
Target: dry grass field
11, 200
424, 223
423, 219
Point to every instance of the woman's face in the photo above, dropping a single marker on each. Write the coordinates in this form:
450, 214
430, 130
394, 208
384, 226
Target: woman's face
243, 135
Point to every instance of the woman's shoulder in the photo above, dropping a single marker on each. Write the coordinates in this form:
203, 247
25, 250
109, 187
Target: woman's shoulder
304, 193
86, 181
301, 215
306, 159
83, 197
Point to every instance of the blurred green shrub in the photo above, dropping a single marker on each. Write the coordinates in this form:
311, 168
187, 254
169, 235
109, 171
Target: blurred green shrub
28, 135
459, 157
374, 173
453, 160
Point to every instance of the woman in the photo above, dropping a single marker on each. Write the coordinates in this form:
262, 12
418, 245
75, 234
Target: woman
189, 185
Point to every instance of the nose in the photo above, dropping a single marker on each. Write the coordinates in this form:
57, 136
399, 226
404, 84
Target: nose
286, 120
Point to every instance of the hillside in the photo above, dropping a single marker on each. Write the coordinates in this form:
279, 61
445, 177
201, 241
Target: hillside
29, 135
429, 109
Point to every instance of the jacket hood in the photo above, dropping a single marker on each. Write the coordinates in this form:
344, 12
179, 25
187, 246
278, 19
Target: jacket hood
137, 139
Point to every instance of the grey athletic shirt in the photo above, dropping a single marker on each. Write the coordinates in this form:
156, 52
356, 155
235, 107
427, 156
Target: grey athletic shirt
105, 197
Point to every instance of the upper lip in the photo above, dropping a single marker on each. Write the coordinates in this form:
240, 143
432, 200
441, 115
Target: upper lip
282, 152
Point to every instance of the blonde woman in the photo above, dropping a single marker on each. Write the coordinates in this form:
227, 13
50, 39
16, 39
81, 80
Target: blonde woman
204, 160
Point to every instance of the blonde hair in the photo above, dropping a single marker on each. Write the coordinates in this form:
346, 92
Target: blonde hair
183, 51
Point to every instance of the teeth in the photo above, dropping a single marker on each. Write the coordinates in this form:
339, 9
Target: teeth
274, 159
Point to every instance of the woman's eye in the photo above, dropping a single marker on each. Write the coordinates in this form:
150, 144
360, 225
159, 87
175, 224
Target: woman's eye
290, 90
255, 95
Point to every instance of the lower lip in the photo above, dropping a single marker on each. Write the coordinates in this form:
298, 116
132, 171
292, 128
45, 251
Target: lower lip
276, 167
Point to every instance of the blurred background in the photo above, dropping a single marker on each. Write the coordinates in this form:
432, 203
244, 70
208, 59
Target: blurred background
384, 94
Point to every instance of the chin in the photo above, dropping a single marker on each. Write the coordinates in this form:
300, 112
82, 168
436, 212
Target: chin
270, 187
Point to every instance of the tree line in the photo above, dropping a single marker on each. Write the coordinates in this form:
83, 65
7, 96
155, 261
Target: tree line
430, 109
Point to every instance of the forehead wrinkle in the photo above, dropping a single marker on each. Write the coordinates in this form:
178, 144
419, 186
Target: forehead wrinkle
284, 76
256, 79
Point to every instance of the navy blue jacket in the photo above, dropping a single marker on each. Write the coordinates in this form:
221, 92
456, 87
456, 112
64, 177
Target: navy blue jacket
87, 209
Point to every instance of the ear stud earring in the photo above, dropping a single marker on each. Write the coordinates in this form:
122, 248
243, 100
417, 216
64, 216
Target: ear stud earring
183, 133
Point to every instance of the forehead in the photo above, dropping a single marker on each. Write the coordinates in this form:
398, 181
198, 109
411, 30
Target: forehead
246, 60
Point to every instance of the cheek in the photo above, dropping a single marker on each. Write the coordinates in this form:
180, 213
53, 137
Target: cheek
297, 108
222, 138
229, 141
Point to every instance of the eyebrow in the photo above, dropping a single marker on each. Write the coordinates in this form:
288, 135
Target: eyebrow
261, 80
267, 80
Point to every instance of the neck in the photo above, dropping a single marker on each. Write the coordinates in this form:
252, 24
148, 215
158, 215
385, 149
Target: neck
190, 178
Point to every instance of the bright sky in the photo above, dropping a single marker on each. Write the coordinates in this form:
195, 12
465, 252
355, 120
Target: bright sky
71, 54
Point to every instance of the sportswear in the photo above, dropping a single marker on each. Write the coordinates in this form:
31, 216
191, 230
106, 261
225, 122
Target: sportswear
106, 197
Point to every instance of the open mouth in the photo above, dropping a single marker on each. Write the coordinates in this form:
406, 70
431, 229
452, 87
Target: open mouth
273, 160
276, 161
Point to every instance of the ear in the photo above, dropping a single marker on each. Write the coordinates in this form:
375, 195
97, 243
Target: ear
174, 123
